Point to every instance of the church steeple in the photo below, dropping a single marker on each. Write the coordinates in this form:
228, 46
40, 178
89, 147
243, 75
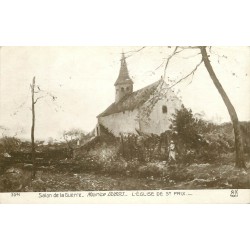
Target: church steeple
123, 84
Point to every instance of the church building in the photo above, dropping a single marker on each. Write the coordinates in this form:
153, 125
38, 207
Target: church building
148, 110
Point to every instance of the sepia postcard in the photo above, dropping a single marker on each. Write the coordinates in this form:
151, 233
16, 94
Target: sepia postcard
147, 124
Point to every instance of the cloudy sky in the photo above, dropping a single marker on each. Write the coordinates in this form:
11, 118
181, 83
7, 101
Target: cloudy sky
82, 79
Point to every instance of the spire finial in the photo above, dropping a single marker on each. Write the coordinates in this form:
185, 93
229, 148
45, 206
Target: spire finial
123, 55
123, 75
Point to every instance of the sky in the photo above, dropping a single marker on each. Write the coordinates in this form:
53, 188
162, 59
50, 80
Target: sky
82, 79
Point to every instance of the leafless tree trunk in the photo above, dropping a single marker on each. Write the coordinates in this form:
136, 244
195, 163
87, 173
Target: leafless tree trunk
33, 122
239, 149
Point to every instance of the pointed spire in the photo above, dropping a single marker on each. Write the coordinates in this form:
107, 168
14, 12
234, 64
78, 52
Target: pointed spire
123, 77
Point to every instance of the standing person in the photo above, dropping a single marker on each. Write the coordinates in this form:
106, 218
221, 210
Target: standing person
171, 152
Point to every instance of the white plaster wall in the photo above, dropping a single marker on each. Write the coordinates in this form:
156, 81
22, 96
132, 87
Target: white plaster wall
124, 122
158, 122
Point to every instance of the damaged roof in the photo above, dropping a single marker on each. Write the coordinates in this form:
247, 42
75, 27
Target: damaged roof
132, 101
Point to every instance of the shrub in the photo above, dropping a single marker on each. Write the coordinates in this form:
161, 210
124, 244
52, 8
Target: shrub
198, 140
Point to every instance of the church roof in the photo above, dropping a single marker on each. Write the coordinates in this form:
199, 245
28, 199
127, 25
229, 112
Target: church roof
132, 101
123, 77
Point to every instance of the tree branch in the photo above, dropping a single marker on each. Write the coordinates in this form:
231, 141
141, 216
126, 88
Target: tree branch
176, 52
168, 60
188, 75
191, 56
189, 47
38, 99
134, 51
159, 66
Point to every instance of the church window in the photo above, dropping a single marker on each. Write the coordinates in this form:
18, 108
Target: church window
127, 88
164, 109
122, 89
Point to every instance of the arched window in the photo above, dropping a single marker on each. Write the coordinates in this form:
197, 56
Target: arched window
164, 109
127, 88
122, 89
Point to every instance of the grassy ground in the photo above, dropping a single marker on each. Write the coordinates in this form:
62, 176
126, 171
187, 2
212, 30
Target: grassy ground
151, 176
92, 181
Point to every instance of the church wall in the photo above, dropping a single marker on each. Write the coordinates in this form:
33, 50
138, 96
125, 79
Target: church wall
124, 122
159, 119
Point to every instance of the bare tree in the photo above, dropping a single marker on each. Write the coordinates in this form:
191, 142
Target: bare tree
202, 50
239, 149
33, 120
36, 90
203, 60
